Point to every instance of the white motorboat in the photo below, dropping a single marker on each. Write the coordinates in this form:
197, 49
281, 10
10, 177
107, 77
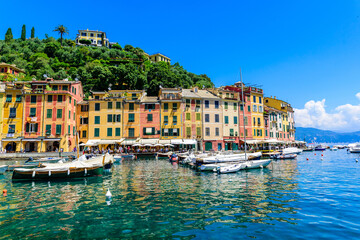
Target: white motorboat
220, 158
232, 168
333, 149
292, 150
3, 168
249, 165
355, 148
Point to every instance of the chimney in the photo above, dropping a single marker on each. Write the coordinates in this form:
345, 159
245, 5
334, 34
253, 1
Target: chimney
274, 97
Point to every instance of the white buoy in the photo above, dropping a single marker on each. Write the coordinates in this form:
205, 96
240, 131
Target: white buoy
108, 194
356, 160
322, 159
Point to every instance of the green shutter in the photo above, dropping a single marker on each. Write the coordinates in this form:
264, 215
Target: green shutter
49, 113
69, 129
58, 129
149, 117
117, 132
131, 106
166, 106
48, 130
109, 105
109, 132
69, 114
109, 118
27, 127
32, 112
97, 119
59, 113
118, 105
96, 132
226, 120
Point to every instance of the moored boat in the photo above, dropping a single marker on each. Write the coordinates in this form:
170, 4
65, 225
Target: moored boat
320, 147
220, 158
354, 148
3, 168
285, 156
249, 165
292, 150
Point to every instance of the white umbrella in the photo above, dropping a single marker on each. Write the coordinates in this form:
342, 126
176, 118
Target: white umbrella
82, 144
159, 145
148, 145
170, 145
137, 145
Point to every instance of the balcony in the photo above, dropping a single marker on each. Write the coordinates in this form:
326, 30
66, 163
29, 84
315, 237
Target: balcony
171, 96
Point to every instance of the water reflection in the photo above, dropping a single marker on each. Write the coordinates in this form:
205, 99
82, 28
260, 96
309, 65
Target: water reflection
150, 199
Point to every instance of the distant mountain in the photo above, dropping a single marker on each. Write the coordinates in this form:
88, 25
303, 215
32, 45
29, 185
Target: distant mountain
324, 136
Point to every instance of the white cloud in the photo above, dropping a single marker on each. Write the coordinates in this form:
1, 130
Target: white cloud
345, 118
358, 95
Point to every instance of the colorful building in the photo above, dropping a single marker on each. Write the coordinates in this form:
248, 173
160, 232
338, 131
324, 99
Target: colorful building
170, 116
9, 70
149, 120
257, 112
158, 57
212, 115
97, 38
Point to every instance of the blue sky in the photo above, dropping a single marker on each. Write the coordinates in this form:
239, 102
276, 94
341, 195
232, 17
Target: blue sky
296, 50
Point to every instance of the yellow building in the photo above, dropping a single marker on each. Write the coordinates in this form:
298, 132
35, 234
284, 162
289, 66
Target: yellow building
158, 57
257, 111
82, 122
9, 71
12, 119
170, 115
96, 37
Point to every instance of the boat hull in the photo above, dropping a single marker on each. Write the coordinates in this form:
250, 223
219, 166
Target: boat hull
3, 168
57, 174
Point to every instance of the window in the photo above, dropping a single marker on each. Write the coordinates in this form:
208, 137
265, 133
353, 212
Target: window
33, 99
254, 132
226, 120
97, 106
149, 106
31, 127
259, 99
259, 121
32, 112
59, 113
84, 120
198, 131
188, 116
198, 117
216, 104
260, 109
64, 88
188, 103
70, 100
117, 132
235, 120
84, 108
109, 118
84, 134
254, 121
50, 98
217, 132
166, 119
49, 113
96, 132
254, 99
60, 98
118, 105
58, 129
109, 132
48, 129
174, 119
207, 117
11, 128
242, 107
69, 114
217, 118
231, 132
97, 120
18, 98
206, 103
69, 129
149, 117
117, 117
188, 132
131, 106
174, 106
207, 131
96, 97
133, 96
131, 132
166, 106
266, 133
226, 105
254, 108
12, 113
249, 109
246, 121
110, 105
131, 117
235, 106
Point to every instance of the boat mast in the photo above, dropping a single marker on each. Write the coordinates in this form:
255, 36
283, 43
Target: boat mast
77, 144
243, 109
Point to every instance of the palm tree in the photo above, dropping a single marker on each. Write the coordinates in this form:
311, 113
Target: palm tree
62, 30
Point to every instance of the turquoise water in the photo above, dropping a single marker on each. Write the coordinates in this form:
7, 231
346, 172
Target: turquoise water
292, 199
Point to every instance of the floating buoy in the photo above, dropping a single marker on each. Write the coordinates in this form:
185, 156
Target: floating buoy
322, 159
68, 172
315, 154
356, 160
33, 174
49, 173
4, 192
108, 194
322, 155
307, 159
85, 172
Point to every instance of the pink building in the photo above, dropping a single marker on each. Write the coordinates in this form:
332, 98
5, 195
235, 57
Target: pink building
150, 120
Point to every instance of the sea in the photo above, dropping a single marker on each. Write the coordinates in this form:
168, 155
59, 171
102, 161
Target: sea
316, 196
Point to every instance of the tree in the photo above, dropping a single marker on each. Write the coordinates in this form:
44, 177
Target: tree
61, 29
8, 35
33, 32
23, 33
51, 48
116, 46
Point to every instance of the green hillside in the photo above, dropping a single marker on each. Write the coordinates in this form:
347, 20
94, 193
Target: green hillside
96, 67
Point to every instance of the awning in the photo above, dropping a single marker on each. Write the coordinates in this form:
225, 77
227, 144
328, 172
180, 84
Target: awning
31, 140
95, 142
51, 139
128, 142
164, 142
189, 141
11, 139
229, 140
177, 141
254, 141
120, 140
152, 141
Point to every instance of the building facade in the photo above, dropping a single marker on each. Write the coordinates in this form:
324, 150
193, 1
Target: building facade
97, 38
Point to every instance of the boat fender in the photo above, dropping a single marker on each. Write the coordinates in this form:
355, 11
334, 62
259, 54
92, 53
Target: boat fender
85, 171
33, 174
49, 173
68, 173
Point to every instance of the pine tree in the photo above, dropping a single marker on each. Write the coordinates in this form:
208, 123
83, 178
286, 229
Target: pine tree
33, 32
23, 33
8, 35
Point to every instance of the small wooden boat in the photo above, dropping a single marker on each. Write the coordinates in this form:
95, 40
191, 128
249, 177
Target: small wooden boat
262, 163
3, 168
56, 172
232, 168
308, 149
164, 155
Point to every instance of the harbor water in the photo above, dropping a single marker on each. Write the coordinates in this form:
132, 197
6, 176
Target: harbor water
317, 198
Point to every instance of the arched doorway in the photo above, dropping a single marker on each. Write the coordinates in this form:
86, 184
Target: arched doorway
31, 147
10, 147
